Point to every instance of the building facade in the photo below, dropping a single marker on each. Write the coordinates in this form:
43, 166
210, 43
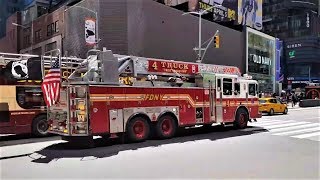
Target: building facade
261, 59
10, 41
148, 29
302, 57
297, 24
43, 34
8, 8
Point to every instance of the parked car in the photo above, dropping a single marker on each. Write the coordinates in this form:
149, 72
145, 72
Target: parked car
272, 105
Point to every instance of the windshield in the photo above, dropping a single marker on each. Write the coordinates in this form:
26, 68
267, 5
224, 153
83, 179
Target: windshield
262, 101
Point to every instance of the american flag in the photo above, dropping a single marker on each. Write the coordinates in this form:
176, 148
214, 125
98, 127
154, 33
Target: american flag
51, 84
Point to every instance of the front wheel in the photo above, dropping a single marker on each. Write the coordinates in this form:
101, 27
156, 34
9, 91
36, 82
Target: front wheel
271, 112
242, 118
285, 111
40, 126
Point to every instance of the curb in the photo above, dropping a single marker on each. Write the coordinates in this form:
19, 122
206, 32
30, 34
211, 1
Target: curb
303, 108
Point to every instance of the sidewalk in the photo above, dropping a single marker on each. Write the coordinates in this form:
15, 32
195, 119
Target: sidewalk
297, 107
289, 105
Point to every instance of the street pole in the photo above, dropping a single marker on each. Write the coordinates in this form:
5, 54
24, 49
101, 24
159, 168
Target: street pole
200, 29
199, 53
309, 74
97, 30
32, 40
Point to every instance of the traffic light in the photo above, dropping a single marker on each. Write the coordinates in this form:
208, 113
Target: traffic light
216, 41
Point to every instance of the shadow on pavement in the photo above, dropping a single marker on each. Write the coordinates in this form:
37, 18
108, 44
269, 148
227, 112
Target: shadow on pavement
25, 139
106, 148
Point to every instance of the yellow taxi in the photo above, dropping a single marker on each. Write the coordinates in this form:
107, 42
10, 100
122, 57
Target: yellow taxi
272, 105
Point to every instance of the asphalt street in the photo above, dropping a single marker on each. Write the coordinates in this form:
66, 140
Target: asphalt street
279, 146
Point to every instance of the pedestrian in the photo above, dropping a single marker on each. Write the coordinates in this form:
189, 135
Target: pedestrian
294, 99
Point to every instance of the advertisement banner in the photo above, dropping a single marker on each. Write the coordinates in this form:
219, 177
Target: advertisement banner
279, 76
90, 31
261, 55
250, 13
226, 12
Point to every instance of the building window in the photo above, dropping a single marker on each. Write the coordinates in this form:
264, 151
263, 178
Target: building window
38, 36
56, 25
49, 30
53, 28
30, 97
51, 46
26, 41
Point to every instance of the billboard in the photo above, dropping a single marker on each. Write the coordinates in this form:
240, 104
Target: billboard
250, 13
90, 31
227, 11
261, 59
279, 49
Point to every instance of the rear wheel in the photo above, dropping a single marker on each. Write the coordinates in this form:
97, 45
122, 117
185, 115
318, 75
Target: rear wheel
166, 127
285, 111
271, 112
242, 118
40, 126
138, 129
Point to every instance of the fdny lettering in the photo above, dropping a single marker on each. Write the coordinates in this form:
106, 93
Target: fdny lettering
153, 97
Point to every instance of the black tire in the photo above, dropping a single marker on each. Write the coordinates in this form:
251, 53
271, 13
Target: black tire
285, 111
242, 118
40, 126
166, 127
271, 112
138, 129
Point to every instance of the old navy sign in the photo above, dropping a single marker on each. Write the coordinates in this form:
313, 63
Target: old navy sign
189, 68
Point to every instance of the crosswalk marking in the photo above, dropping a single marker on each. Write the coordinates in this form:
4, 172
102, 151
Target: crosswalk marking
307, 125
272, 123
299, 131
307, 135
285, 125
267, 121
290, 128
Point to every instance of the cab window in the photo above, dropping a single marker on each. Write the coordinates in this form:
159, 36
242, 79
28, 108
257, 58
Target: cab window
30, 97
219, 85
236, 88
227, 86
273, 101
252, 89
262, 101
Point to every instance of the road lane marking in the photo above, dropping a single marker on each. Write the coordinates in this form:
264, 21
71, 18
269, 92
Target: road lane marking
284, 125
267, 120
273, 125
280, 122
298, 131
294, 127
295, 120
306, 135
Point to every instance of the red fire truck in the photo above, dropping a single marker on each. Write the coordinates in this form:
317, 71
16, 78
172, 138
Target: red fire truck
22, 108
154, 96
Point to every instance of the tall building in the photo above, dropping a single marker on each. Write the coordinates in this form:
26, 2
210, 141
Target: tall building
30, 26
7, 8
297, 24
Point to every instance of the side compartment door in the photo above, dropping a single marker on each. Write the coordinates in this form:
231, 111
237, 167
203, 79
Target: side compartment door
219, 102
212, 100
